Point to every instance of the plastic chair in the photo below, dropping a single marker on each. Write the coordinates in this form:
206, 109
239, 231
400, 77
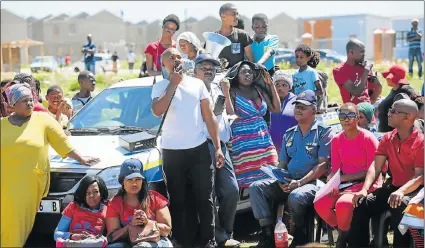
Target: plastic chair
380, 232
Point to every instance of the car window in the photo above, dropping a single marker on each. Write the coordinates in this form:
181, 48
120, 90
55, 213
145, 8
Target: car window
98, 58
129, 106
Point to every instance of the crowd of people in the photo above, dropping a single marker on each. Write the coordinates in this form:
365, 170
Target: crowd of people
215, 137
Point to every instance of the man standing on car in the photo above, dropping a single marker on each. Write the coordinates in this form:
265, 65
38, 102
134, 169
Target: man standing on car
414, 37
226, 186
240, 39
88, 50
305, 154
355, 76
87, 83
186, 156
264, 45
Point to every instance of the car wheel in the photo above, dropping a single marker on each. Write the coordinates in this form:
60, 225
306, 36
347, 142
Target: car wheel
76, 69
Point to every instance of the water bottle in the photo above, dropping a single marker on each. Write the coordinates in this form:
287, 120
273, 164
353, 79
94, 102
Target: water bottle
280, 234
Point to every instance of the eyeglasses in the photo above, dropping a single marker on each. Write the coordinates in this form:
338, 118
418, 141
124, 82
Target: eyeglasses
350, 116
301, 107
94, 193
207, 69
169, 29
394, 111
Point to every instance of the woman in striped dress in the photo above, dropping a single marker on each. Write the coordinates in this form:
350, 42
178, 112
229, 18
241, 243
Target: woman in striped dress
251, 145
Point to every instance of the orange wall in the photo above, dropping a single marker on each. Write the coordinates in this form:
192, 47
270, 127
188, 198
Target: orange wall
322, 30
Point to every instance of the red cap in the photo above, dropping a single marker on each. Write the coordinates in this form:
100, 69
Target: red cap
397, 74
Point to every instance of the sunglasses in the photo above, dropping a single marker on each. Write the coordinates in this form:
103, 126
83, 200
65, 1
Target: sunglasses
349, 116
169, 29
301, 107
394, 111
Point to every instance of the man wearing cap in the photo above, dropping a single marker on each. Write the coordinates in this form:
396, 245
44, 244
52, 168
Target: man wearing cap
306, 156
403, 150
226, 186
88, 50
87, 83
240, 39
185, 153
396, 79
264, 45
414, 37
355, 76
154, 50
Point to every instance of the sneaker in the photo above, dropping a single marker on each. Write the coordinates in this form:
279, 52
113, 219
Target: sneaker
211, 244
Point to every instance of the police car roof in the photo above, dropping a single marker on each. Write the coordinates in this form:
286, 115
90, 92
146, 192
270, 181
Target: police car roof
136, 82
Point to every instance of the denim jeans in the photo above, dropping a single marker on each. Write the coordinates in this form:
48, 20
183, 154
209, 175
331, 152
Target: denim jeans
90, 66
415, 54
227, 194
300, 200
164, 242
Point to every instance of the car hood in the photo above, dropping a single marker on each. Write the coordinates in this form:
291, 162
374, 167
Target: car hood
110, 153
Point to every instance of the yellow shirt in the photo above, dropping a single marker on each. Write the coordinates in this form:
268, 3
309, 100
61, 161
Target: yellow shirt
25, 172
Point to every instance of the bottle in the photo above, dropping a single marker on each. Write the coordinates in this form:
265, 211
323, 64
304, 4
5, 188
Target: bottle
280, 234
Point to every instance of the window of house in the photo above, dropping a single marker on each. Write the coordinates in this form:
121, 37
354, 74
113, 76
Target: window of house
56, 30
400, 39
72, 29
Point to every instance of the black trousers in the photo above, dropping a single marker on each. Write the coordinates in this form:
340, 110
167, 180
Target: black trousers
372, 206
189, 178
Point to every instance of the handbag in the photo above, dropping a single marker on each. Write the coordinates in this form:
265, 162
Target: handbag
146, 233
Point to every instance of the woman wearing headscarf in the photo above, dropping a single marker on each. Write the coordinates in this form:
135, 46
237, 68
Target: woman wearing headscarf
280, 122
366, 117
190, 47
25, 140
249, 94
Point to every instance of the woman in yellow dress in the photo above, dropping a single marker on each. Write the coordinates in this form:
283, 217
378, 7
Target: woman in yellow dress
25, 168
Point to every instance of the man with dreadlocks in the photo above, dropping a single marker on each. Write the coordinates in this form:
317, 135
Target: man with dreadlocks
22, 78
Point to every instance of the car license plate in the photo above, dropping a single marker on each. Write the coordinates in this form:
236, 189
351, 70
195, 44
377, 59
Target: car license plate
49, 206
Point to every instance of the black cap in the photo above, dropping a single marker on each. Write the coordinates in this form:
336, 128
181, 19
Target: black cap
130, 168
172, 18
206, 57
307, 97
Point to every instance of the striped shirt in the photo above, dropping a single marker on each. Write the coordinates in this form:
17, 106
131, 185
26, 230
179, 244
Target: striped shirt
412, 34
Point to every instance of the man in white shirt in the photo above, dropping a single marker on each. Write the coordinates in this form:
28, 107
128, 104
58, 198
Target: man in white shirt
87, 83
185, 154
226, 186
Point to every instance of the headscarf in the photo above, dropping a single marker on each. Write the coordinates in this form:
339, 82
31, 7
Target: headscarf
367, 109
189, 37
283, 75
16, 92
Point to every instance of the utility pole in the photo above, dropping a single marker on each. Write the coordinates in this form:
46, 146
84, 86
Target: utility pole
185, 18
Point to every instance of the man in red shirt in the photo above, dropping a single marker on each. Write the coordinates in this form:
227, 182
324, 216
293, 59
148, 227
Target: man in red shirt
355, 76
403, 149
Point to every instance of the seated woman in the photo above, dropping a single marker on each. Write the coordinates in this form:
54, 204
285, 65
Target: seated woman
352, 152
366, 117
190, 47
251, 144
135, 205
85, 217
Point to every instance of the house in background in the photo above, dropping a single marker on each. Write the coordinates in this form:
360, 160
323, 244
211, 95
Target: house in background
401, 26
333, 32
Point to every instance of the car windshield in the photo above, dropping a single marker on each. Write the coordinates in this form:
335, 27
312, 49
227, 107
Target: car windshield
41, 60
118, 107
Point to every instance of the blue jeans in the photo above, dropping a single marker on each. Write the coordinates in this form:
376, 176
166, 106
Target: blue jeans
227, 192
90, 66
261, 194
164, 242
415, 54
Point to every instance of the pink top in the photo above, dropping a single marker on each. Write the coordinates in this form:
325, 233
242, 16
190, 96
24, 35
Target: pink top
354, 155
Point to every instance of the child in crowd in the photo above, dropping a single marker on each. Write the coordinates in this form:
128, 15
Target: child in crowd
322, 100
58, 108
306, 78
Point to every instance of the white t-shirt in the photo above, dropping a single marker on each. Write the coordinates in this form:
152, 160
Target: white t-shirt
131, 57
183, 126
77, 102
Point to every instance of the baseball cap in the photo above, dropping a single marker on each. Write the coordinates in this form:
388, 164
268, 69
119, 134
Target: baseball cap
397, 74
307, 97
206, 57
130, 168
415, 20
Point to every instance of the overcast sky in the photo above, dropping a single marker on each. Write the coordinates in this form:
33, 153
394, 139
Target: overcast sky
150, 10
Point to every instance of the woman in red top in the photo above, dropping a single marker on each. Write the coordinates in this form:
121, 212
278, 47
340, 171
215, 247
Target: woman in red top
154, 50
85, 217
135, 205
352, 152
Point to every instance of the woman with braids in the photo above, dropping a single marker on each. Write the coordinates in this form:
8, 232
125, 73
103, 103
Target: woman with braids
135, 205
306, 78
322, 100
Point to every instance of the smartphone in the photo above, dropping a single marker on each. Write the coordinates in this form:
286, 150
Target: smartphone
219, 105
176, 64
